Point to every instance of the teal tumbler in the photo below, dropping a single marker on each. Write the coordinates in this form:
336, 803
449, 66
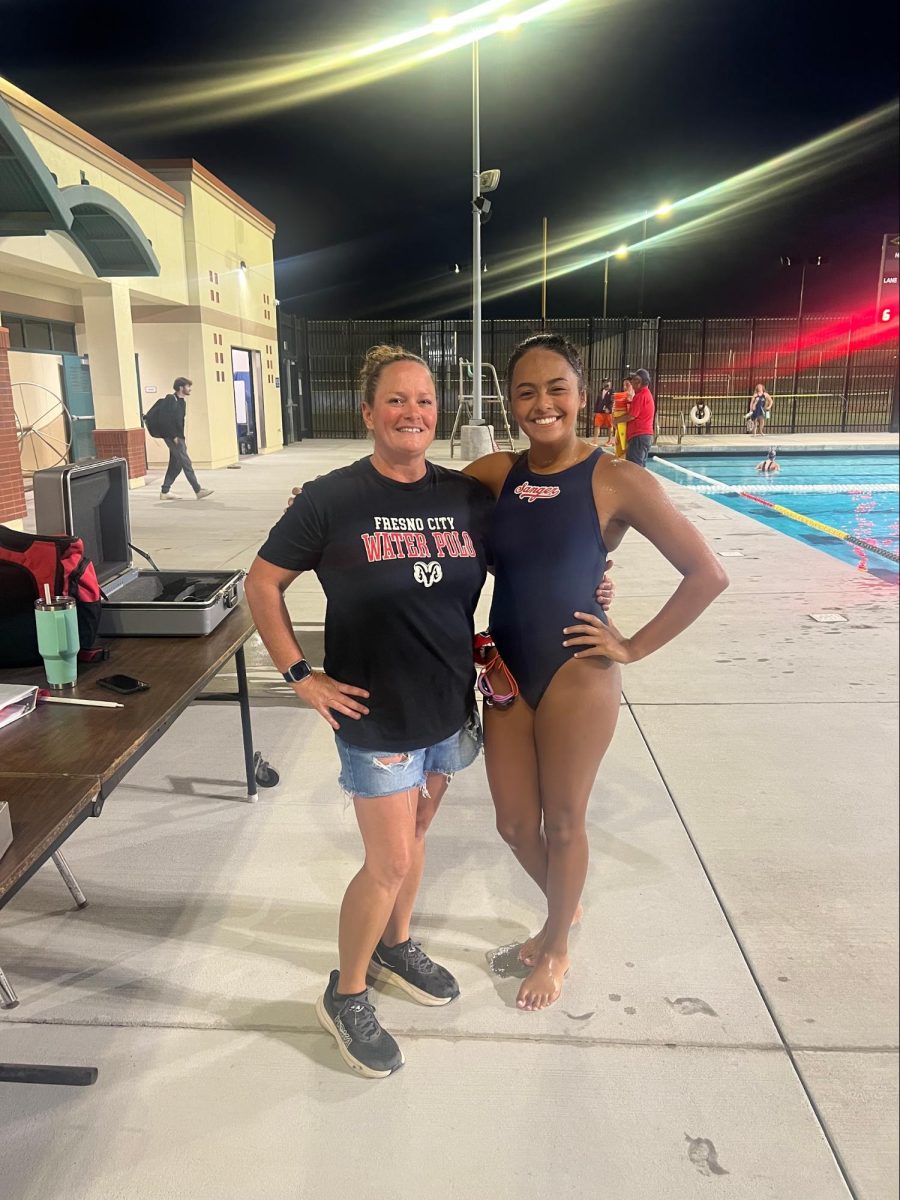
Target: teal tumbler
57, 634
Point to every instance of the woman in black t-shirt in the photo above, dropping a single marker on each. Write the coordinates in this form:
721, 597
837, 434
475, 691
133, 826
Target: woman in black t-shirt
397, 544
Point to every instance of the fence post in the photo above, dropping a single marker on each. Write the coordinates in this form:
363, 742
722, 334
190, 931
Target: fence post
301, 330
702, 383
846, 387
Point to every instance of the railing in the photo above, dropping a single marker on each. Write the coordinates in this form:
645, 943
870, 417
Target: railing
791, 412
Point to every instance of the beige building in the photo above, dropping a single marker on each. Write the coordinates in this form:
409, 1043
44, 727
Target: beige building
116, 277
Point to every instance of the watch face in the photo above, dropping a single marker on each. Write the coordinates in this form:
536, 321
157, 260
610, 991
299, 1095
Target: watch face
298, 672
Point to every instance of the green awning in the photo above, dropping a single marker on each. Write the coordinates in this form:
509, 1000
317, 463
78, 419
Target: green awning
29, 198
32, 204
107, 234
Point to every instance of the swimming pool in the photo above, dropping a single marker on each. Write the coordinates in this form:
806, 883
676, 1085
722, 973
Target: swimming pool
858, 494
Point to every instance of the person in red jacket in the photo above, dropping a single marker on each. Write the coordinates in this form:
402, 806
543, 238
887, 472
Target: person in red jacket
638, 420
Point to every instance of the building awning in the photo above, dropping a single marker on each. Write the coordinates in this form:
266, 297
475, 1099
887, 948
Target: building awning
32, 204
29, 198
107, 234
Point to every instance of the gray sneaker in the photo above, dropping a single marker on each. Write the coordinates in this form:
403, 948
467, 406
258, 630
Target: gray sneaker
203, 493
363, 1044
409, 968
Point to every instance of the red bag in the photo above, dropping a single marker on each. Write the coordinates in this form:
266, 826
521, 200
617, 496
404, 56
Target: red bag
27, 562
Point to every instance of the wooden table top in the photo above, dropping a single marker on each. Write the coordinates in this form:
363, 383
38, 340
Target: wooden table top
41, 808
63, 739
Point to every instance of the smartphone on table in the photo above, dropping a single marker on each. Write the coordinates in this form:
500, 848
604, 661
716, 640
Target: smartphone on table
123, 684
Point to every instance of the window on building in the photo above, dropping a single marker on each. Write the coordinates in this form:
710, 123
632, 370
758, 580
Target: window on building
16, 332
37, 335
63, 337
31, 333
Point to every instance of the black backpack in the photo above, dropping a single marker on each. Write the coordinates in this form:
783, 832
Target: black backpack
158, 420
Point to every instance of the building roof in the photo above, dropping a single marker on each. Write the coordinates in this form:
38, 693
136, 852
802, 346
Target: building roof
186, 168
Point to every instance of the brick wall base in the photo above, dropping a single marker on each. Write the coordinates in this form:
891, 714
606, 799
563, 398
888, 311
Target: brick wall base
12, 491
123, 443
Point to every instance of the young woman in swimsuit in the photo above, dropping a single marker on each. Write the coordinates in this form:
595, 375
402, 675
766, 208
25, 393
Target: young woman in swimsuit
561, 508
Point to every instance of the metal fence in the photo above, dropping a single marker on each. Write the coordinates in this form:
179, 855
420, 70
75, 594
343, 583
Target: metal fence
830, 375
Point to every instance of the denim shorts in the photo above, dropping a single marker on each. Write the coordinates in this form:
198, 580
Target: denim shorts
363, 774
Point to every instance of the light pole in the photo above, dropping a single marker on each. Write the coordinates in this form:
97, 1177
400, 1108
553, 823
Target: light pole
621, 253
661, 210
477, 418
817, 260
475, 437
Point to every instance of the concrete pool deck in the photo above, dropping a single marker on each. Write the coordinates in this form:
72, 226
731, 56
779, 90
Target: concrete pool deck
730, 1025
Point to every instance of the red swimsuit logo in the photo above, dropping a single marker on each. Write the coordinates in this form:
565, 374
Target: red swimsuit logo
532, 492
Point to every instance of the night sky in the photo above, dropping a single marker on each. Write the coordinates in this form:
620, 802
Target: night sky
589, 112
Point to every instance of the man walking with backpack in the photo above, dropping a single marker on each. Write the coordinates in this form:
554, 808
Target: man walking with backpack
166, 420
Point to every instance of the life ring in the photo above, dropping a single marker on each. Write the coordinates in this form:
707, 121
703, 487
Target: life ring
696, 419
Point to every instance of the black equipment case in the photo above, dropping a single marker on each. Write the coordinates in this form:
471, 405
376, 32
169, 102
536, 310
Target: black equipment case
90, 501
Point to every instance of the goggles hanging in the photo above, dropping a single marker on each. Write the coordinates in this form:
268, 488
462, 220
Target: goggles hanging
496, 683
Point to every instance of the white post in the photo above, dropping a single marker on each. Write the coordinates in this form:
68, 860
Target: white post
477, 438
477, 418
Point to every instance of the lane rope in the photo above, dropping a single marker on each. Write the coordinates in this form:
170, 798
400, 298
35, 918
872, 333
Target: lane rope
840, 534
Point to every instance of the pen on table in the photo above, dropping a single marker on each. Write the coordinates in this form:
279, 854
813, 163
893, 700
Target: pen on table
45, 698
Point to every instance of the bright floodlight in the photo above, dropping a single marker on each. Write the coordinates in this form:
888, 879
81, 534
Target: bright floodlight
508, 23
621, 252
664, 209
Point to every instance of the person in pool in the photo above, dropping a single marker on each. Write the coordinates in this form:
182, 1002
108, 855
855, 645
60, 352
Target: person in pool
769, 464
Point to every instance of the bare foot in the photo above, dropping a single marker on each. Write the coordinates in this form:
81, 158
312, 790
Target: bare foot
530, 949
543, 986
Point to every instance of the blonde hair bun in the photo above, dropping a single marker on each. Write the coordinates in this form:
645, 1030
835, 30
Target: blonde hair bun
377, 358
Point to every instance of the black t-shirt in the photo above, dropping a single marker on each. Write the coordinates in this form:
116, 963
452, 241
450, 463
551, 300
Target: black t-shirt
402, 566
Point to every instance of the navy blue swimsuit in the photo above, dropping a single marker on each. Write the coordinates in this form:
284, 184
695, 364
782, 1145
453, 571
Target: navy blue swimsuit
549, 557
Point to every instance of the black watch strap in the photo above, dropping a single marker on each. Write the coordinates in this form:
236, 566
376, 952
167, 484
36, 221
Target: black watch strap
298, 672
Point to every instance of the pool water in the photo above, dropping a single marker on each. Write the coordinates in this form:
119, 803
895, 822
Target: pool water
858, 494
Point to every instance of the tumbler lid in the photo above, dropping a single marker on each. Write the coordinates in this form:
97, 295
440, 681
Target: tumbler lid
56, 603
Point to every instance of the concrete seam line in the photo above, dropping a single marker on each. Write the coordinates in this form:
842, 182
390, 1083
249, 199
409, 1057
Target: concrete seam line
426, 1035
748, 963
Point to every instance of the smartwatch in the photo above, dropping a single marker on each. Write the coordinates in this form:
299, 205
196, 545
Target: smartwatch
298, 672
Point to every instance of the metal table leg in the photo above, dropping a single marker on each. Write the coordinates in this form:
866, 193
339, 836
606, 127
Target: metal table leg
69, 879
8, 997
246, 730
32, 1073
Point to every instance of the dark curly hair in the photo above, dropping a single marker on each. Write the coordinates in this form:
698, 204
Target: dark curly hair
548, 341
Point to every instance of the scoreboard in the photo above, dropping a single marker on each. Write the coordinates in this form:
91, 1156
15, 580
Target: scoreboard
886, 307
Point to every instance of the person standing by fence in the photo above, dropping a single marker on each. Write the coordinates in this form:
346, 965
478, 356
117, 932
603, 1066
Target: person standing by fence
760, 405
603, 407
638, 420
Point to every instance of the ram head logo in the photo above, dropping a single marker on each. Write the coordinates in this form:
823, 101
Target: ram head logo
427, 573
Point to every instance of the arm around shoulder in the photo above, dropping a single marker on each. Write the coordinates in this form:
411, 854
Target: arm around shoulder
491, 470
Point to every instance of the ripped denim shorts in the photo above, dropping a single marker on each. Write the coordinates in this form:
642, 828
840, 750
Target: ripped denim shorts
364, 774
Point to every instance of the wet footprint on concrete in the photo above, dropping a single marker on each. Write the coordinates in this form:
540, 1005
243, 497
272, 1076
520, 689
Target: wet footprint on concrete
688, 1006
505, 962
703, 1154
